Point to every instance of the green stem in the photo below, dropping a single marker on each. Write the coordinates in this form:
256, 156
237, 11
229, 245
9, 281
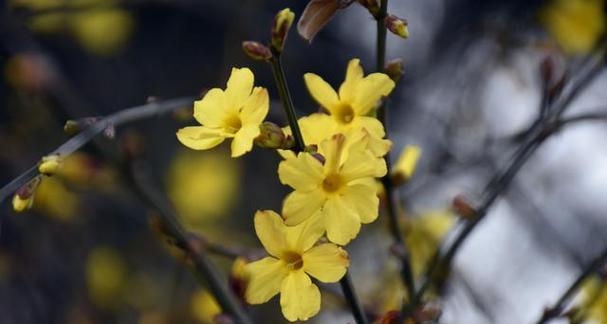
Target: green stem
350, 295
287, 102
391, 203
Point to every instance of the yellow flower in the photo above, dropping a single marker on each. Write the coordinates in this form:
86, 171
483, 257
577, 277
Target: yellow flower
575, 24
55, 199
204, 307
212, 175
103, 32
594, 300
294, 258
234, 113
424, 234
49, 164
105, 276
358, 96
339, 193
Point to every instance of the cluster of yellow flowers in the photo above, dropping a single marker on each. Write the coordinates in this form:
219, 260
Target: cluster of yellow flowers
333, 179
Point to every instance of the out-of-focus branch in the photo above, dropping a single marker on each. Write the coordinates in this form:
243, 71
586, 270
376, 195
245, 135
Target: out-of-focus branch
546, 125
143, 186
563, 301
113, 120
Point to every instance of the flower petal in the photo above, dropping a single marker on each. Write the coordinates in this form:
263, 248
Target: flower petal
199, 137
363, 199
299, 206
303, 236
373, 126
370, 90
317, 127
271, 231
212, 109
321, 91
332, 149
361, 164
239, 87
265, 279
299, 297
243, 139
342, 223
354, 74
302, 173
326, 262
256, 107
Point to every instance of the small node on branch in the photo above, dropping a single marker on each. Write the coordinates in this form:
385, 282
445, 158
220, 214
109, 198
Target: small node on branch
463, 208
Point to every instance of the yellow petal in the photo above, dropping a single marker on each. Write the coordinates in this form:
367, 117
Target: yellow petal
342, 222
317, 127
326, 262
256, 107
363, 199
407, 161
373, 126
265, 279
239, 87
332, 149
299, 206
199, 137
302, 173
370, 90
212, 109
303, 236
354, 74
321, 91
271, 231
361, 164
243, 139
299, 297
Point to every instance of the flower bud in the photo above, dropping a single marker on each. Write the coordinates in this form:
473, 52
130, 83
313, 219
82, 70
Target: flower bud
463, 208
239, 278
49, 164
73, 127
271, 136
24, 196
397, 26
394, 69
256, 50
280, 29
371, 5
406, 164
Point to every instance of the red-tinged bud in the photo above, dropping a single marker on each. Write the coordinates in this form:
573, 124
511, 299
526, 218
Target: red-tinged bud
271, 136
397, 26
280, 29
256, 51
24, 196
463, 208
391, 317
395, 69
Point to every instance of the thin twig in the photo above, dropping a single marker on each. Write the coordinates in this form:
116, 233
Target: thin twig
113, 120
350, 295
142, 185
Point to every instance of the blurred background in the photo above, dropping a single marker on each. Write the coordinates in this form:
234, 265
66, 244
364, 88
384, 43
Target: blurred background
84, 253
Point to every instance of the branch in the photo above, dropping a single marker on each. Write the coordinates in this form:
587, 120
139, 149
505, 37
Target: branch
113, 120
563, 301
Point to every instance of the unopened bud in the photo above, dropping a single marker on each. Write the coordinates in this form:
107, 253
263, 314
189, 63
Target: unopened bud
239, 277
256, 50
406, 164
397, 26
280, 29
463, 208
371, 5
73, 127
49, 164
24, 196
395, 69
391, 317
271, 136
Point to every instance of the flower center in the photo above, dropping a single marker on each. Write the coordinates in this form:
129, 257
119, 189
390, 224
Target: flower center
332, 183
293, 260
233, 123
344, 113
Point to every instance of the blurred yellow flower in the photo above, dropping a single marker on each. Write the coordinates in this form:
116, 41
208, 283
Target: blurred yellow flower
202, 185
105, 276
358, 96
594, 300
236, 113
405, 166
204, 307
424, 234
54, 199
339, 193
83, 170
100, 26
575, 24
294, 258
